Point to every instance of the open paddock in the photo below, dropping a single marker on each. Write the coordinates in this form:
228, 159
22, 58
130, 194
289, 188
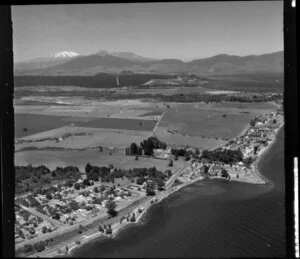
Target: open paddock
239, 105
79, 110
204, 122
63, 158
165, 90
35, 123
82, 137
178, 140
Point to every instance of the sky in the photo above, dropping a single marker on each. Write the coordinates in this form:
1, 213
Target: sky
181, 30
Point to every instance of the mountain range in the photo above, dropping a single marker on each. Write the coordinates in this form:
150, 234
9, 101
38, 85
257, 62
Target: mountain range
71, 63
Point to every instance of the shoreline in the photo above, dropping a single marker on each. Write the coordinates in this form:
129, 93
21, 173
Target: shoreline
117, 227
263, 153
140, 216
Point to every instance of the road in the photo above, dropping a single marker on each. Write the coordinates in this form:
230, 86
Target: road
54, 222
158, 122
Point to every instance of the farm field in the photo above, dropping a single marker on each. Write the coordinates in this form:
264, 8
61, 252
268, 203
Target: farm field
82, 138
206, 123
178, 140
164, 90
196, 124
37, 123
55, 158
260, 105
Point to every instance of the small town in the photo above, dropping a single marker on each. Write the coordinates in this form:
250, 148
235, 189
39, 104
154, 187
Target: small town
68, 205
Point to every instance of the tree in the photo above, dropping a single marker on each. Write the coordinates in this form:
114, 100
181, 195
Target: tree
44, 229
252, 122
139, 181
148, 149
73, 205
48, 196
132, 219
224, 173
96, 190
86, 182
197, 152
133, 149
160, 184
88, 168
56, 216
187, 157
40, 246
77, 186
111, 206
150, 187
108, 230
21, 233
168, 173
205, 169
101, 229
170, 162
28, 248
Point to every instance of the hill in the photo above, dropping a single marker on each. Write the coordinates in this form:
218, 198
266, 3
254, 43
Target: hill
116, 62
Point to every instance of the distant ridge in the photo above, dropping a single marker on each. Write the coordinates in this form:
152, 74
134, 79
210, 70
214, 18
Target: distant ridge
72, 63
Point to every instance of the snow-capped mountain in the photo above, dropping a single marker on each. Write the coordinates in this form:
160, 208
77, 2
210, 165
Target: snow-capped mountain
71, 63
36, 64
65, 54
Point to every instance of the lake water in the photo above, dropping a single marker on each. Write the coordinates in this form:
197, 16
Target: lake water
210, 219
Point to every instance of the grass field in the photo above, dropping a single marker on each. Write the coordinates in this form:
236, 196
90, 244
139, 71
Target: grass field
260, 105
183, 141
37, 123
82, 138
206, 123
55, 158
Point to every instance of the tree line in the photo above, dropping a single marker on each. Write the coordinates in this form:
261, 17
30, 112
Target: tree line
146, 146
226, 156
29, 178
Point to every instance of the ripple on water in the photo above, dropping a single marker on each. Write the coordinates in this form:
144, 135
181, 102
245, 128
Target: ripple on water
210, 219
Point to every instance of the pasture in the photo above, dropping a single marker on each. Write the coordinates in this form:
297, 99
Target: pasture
82, 138
54, 158
28, 124
204, 122
178, 140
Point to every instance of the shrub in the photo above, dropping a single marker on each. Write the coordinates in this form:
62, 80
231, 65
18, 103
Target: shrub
28, 248
101, 229
108, 230
40, 246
